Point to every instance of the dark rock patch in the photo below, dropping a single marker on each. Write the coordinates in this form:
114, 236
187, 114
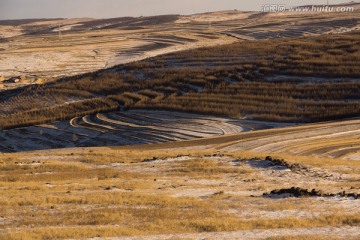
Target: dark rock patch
301, 192
150, 160
281, 162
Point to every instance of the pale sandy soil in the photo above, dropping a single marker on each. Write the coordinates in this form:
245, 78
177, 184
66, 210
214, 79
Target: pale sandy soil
344, 29
259, 177
332, 232
215, 17
9, 31
66, 27
61, 60
50, 56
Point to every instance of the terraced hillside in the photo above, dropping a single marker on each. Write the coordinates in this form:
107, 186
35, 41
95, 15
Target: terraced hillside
251, 132
327, 140
306, 79
333, 140
40, 50
39, 54
123, 128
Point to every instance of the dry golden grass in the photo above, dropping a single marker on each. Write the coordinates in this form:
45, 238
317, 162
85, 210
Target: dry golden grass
93, 192
171, 188
199, 167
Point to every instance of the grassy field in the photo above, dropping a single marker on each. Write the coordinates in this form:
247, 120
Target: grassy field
190, 187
